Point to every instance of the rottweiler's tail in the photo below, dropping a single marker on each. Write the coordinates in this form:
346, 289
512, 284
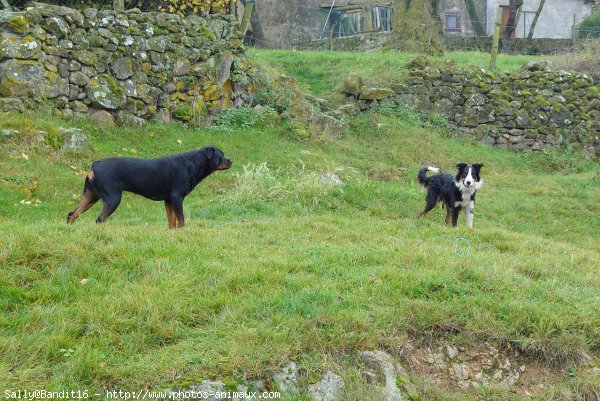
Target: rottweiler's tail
423, 179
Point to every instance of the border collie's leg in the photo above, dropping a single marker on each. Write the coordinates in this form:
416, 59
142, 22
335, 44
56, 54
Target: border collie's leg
430, 202
448, 215
470, 213
455, 212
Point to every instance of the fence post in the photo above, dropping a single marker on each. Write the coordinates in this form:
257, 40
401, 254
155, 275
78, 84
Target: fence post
496, 40
246, 18
7, 6
119, 5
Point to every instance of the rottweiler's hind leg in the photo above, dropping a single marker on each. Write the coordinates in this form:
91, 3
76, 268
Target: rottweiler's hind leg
110, 205
171, 217
177, 205
88, 199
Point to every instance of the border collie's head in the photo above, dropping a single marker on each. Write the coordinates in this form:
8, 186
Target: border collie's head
468, 178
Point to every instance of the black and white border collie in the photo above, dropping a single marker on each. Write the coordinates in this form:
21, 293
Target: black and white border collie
456, 192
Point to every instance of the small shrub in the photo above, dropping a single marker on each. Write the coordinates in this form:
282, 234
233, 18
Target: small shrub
585, 60
589, 27
261, 183
244, 117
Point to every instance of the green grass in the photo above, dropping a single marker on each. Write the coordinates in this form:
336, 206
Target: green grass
323, 72
275, 266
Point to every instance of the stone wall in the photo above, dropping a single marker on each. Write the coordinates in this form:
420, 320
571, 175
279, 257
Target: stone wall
379, 40
129, 66
530, 109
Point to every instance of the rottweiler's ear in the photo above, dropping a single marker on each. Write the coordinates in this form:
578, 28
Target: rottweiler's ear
461, 166
209, 151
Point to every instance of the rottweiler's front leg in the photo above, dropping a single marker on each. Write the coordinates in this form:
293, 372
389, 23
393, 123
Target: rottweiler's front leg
177, 205
170, 215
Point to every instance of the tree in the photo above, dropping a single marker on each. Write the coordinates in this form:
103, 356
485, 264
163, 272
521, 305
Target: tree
475, 20
535, 19
417, 27
514, 7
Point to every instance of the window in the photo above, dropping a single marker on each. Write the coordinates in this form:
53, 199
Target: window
453, 23
351, 20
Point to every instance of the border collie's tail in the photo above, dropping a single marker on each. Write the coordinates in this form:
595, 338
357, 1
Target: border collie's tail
423, 179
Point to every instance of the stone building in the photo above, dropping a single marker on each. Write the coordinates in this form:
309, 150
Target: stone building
280, 24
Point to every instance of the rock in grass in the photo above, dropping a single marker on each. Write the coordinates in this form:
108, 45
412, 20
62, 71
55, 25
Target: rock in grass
375, 93
74, 140
101, 116
287, 380
381, 363
329, 388
352, 85
8, 134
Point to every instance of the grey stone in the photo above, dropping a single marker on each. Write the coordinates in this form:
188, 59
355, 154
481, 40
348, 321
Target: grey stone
8, 133
127, 118
330, 179
328, 125
101, 116
79, 107
375, 93
381, 362
74, 140
11, 104
26, 48
451, 351
57, 26
122, 68
27, 79
475, 99
104, 91
443, 106
79, 78
329, 388
352, 85
536, 66
286, 380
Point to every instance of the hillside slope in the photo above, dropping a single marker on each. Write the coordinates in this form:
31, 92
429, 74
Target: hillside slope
279, 264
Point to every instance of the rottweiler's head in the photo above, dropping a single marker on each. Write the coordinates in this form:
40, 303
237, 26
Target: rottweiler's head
216, 158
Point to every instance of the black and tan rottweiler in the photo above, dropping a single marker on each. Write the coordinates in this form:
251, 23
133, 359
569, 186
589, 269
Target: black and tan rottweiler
167, 179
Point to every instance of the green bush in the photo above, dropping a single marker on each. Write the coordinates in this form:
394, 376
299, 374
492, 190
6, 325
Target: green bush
589, 27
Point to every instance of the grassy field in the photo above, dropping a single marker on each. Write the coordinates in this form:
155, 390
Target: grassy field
274, 265
323, 72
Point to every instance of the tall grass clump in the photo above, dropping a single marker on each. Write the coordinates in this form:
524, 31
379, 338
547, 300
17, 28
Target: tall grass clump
585, 60
259, 182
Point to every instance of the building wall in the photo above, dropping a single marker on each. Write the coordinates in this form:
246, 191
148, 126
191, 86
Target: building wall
556, 20
459, 7
277, 23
